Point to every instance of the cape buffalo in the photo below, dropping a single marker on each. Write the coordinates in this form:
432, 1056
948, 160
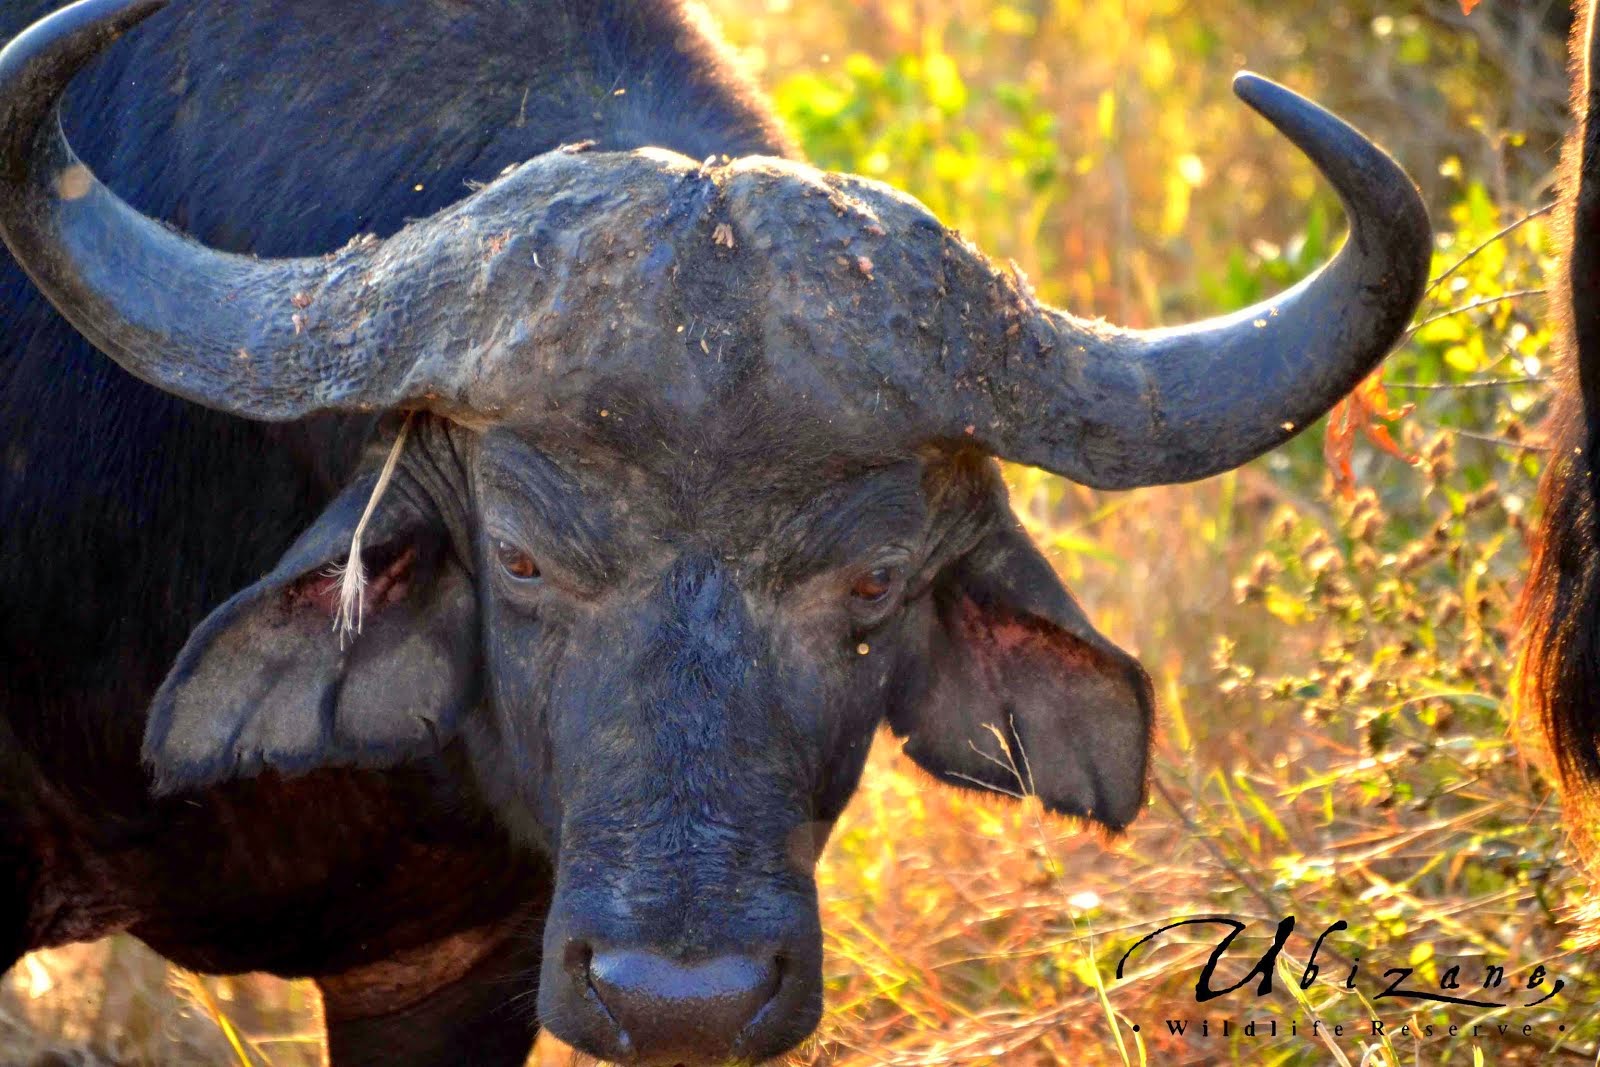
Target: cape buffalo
671, 463
1557, 682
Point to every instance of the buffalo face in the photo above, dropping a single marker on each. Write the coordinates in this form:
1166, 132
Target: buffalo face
690, 704
667, 657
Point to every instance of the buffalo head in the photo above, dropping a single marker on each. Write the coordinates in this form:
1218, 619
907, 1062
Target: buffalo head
699, 488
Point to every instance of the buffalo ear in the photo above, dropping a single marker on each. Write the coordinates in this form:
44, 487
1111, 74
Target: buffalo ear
265, 681
1021, 695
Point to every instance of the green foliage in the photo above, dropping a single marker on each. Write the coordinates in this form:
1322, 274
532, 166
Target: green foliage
908, 121
1433, 829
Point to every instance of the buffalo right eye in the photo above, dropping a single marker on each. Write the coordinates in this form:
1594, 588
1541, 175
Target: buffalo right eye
873, 586
517, 564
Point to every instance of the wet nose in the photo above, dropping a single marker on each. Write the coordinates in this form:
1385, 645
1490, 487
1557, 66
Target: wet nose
746, 987
668, 1012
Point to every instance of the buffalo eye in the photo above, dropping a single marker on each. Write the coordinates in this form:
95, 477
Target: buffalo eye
874, 586
517, 564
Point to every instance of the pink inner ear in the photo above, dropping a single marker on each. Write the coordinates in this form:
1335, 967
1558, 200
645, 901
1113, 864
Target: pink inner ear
319, 591
1001, 638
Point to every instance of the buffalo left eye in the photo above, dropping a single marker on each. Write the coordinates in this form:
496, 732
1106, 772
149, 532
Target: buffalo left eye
874, 585
516, 563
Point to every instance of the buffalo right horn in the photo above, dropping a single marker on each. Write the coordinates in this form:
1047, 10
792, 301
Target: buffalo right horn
1116, 408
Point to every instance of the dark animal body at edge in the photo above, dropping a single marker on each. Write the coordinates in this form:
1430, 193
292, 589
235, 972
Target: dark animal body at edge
152, 510
1556, 685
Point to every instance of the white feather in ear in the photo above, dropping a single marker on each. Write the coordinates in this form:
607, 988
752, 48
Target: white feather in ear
353, 574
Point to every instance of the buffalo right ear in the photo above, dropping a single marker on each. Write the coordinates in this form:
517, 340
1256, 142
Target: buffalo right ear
266, 681
1020, 694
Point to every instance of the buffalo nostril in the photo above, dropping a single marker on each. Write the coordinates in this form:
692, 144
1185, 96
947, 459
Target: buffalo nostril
668, 1008
575, 958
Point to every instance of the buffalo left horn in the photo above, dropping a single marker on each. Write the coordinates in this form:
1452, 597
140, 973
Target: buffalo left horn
222, 330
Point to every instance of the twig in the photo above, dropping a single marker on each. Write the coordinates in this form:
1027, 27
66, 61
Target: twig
1475, 305
1502, 232
1488, 438
1477, 383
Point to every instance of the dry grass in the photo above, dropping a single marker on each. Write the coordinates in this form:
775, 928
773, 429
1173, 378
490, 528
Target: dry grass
1335, 742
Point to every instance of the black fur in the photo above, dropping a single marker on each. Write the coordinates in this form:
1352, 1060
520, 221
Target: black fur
1557, 682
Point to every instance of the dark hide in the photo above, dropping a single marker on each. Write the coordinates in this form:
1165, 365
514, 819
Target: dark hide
1557, 683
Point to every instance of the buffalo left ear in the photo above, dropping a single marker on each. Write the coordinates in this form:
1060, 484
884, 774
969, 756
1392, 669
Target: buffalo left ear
1021, 694
265, 681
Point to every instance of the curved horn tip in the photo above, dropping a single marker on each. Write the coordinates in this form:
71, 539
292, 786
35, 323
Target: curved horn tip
60, 43
1248, 85
61, 30
1278, 104
115, 15
1361, 172
37, 64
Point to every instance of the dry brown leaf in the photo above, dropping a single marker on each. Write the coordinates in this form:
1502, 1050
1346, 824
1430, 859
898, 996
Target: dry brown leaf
1366, 410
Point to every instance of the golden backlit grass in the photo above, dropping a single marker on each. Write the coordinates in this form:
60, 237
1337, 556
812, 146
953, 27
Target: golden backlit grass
1335, 743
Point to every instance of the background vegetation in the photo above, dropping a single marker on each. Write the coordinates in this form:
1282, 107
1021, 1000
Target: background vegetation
1331, 655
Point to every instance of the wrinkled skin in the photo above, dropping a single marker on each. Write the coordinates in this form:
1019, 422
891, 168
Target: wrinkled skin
757, 623
666, 722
